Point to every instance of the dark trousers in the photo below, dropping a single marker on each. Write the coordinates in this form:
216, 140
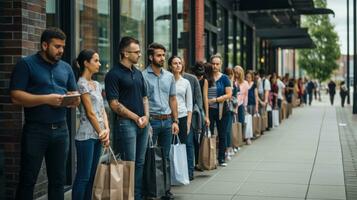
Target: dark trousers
88, 154
222, 128
310, 98
43, 140
187, 138
332, 98
343, 98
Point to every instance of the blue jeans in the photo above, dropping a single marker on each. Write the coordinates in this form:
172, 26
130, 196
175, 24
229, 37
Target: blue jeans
43, 140
241, 115
132, 142
229, 129
162, 134
222, 131
190, 153
88, 154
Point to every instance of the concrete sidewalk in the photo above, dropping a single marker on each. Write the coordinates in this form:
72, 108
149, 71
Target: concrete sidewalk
301, 159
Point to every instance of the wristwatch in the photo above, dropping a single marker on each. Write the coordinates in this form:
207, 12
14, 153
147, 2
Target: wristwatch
175, 121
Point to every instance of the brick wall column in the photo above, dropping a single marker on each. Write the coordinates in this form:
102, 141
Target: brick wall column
200, 30
21, 24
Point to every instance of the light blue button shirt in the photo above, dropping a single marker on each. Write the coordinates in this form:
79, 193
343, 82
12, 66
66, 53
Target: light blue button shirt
159, 90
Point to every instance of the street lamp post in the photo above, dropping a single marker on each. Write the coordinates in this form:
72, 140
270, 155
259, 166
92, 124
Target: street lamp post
348, 52
354, 111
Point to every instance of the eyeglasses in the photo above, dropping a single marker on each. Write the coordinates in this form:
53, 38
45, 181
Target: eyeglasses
137, 52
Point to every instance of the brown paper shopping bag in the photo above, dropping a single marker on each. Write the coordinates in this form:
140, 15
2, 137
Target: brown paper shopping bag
257, 125
237, 138
207, 152
128, 179
108, 181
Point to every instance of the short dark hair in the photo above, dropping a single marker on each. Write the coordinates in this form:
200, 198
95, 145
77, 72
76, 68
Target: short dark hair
199, 68
124, 43
52, 32
153, 46
262, 72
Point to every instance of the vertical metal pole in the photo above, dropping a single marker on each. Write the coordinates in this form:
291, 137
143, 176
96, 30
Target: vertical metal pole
348, 53
354, 60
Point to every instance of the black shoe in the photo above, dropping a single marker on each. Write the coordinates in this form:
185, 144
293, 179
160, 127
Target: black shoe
168, 196
191, 178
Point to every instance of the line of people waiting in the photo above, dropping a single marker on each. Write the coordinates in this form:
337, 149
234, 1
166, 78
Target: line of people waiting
172, 102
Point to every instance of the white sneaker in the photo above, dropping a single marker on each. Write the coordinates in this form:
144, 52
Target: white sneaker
228, 158
223, 164
235, 150
231, 153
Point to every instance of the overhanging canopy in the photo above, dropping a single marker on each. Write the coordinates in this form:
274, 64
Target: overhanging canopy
279, 33
293, 43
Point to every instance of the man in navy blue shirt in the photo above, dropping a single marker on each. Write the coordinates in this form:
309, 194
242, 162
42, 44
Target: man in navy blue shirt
39, 83
126, 94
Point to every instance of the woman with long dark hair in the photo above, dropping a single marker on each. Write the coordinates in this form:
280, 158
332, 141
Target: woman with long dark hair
93, 128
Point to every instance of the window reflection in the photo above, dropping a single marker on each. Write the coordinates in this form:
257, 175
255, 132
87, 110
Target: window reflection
239, 49
221, 30
183, 23
50, 13
93, 31
230, 41
132, 19
162, 24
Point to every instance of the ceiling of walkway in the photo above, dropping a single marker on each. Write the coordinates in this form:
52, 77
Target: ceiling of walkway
280, 20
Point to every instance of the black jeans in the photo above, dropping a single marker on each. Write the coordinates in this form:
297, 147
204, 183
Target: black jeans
43, 140
332, 97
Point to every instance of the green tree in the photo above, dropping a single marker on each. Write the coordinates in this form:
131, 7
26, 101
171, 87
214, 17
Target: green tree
320, 62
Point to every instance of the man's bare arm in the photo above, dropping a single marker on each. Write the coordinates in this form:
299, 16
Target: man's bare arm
173, 106
146, 106
122, 111
26, 99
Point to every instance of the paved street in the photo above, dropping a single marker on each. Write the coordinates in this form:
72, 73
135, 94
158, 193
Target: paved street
301, 159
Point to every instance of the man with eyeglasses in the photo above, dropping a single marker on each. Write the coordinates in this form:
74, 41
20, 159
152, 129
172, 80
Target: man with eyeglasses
126, 93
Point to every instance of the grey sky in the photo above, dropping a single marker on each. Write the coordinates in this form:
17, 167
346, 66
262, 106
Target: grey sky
340, 21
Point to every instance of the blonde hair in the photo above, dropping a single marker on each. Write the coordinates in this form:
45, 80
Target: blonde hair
240, 71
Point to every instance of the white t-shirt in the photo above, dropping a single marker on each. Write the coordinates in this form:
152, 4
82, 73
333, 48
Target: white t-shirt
266, 84
184, 97
281, 86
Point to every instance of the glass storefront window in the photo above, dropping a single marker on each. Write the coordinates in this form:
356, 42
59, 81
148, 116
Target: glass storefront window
230, 41
239, 49
221, 30
93, 24
162, 24
50, 13
183, 26
132, 21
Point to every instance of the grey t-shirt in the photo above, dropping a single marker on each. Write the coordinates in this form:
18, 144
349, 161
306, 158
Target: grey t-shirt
86, 130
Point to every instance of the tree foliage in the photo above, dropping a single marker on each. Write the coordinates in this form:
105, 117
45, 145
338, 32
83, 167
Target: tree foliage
320, 62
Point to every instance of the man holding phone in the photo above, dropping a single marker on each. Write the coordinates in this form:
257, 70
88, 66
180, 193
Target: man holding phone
39, 83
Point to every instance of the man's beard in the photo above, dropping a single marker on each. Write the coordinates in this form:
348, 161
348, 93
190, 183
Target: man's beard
53, 58
158, 64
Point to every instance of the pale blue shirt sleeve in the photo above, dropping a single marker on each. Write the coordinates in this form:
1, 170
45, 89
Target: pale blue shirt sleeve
173, 87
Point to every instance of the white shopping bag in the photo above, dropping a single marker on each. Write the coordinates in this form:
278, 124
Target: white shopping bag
248, 126
275, 118
178, 163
